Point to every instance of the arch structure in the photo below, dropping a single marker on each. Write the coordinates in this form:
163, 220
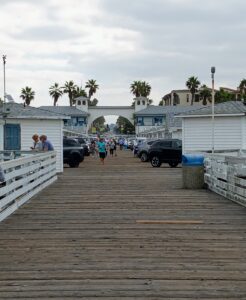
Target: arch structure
94, 112
99, 111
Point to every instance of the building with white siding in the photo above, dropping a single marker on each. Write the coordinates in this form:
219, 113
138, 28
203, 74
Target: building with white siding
160, 121
229, 128
19, 123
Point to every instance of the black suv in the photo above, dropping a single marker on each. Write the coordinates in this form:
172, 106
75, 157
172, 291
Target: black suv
165, 151
73, 153
83, 143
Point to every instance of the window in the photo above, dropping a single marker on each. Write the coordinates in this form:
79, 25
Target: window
81, 121
197, 98
177, 144
84, 102
138, 102
166, 144
143, 102
70, 143
140, 121
12, 137
187, 97
157, 121
79, 102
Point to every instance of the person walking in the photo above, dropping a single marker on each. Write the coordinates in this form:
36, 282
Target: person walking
111, 148
101, 150
115, 147
93, 149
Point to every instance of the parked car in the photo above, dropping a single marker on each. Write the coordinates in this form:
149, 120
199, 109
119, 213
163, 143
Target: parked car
73, 152
143, 149
85, 144
136, 143
166, 151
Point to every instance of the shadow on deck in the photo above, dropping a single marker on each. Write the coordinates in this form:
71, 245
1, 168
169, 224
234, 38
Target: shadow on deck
83, 238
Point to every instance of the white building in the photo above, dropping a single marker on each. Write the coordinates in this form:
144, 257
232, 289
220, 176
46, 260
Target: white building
160, 121
18, 124
229, 128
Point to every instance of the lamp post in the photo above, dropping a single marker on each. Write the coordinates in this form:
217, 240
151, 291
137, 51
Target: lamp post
4, 81
212, 75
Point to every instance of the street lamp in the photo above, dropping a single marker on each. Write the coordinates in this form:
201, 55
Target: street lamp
4, 82
212, 75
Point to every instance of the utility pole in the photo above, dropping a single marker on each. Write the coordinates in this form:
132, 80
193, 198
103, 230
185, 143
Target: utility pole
4, 82
212, 75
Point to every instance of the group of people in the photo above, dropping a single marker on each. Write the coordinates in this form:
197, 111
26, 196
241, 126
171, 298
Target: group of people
41, 143
102, 147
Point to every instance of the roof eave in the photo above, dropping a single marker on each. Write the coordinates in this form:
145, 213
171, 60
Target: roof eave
210, 115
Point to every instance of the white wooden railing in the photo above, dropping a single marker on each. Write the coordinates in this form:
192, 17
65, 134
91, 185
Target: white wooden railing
24, 178
226, 175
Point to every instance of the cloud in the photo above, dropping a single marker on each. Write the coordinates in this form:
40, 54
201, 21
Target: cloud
115, 42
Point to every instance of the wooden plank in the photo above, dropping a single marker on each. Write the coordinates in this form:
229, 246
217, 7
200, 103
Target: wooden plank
168, 222
80, 238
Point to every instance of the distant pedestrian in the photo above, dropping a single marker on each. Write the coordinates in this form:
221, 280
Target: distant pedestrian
121, 142
37, 144
115, 147
46, 145
111, 148
101, 150
93, 149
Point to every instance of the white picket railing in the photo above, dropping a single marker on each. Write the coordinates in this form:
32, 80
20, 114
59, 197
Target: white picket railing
24, 178
226, 175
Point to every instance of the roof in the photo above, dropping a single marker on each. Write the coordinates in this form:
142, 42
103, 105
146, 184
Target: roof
65, 110
19, 111
226, 108
153, 110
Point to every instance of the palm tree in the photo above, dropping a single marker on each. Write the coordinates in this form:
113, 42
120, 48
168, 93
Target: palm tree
140, 88
69, 88
92, 86
192, 84
55, 92
27, 95
79, 92
135, 88
242, 88
205, 94
145, 89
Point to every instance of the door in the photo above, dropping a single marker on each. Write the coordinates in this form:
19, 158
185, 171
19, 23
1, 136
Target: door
12, 137
166, 149
177, 151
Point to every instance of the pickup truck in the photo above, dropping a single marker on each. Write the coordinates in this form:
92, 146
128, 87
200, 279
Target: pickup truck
73, 152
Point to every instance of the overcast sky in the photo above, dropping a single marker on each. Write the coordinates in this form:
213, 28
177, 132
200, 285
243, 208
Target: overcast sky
118, 41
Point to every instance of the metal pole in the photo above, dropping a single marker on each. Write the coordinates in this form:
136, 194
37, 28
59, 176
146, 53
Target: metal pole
212, 75
4, 80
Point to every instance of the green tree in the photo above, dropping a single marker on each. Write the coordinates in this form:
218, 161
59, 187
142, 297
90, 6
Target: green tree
224, 96
242, 88
205, 94
70, 89
55, 92
27, 94
140, 88
193, 84
92, 86
79, 92
124, 125
135, 88
93, 102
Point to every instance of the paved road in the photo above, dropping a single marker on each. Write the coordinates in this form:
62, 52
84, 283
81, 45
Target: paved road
123, 231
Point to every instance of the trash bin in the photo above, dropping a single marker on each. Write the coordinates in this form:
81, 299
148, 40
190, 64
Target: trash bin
193, 171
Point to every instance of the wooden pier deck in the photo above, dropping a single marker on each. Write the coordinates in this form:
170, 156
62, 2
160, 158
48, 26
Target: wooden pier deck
83, 238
